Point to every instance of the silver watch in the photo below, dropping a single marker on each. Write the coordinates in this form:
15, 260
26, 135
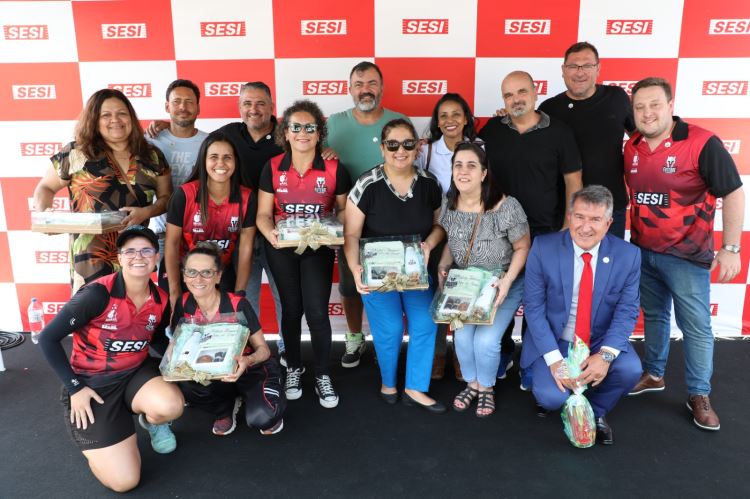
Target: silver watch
732, 248
607, 356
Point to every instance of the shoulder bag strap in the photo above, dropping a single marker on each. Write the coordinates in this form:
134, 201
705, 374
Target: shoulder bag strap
118, 173
473, 236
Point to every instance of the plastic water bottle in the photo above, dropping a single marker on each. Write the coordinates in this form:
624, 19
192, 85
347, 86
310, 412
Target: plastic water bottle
36, 319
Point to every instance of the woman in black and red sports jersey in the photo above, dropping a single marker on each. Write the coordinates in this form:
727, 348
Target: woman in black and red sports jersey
298, 182
110, 376
212, 206
257, 380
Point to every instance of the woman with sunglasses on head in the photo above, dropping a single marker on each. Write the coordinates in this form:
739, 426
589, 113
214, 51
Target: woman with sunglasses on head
300, 182
212, 206
109, 167
486, 229
110, 376
452, 122
397, 199
257, 380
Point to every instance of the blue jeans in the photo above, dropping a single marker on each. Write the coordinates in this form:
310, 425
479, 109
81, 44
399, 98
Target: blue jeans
254, 283
478, 346
664, 279
385, 312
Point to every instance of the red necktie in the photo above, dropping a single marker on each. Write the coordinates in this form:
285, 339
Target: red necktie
583, 314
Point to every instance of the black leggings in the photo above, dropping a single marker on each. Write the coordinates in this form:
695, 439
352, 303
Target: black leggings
304, 284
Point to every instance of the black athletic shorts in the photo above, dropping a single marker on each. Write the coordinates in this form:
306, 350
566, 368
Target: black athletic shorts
114, 418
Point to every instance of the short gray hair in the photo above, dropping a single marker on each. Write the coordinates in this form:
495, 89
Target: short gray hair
596, 195
256, 85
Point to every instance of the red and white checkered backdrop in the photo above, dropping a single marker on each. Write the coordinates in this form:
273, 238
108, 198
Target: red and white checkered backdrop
53, 55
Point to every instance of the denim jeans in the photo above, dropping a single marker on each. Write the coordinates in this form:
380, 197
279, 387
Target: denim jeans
666, 279
478, 346
254, 283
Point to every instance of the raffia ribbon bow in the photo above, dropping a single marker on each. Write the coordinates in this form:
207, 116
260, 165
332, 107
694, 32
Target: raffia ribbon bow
457, 321
314, 236
394, 282
183, 370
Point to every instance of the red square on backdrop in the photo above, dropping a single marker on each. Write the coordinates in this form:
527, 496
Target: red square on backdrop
220, 82
734, 132
42, 91
18, 197
52, 296
326, 28
545, 28
141, 30
6, 270
721, 30
413, 86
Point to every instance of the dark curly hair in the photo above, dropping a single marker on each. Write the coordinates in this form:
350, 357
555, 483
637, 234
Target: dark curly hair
469, 132
301, 106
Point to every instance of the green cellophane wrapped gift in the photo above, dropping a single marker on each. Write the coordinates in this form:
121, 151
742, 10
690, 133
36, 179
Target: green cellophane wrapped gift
577, 415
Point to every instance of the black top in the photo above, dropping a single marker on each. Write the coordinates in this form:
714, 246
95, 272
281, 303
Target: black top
253, 155
599, 124
530, 166
388, 214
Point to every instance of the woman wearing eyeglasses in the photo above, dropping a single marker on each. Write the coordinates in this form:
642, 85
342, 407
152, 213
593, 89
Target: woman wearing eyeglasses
257, 380
212, 206
110, 376
300, 182
397, 199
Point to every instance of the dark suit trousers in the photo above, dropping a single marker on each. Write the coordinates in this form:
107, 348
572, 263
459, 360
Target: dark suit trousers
622, 376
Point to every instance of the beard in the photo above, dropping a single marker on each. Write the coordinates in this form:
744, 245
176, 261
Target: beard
367, 106
518, 111
184, 123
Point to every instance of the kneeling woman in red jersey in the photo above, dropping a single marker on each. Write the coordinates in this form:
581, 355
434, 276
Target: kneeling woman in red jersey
110, 376
300, 181
257, 380
212, 206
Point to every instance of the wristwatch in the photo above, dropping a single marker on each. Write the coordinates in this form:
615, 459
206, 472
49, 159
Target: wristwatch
732, 248
607, 356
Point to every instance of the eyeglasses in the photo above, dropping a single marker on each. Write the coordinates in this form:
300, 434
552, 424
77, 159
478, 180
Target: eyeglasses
193, 273
393, 145
308, 127
575, 67
143, 252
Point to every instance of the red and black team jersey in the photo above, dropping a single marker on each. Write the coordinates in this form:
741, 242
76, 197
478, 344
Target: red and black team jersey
110, 337
673, 191
313, 193
230, 303
222, 225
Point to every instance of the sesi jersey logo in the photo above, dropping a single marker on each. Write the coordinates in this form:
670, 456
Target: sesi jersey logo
51, 257
541, 87
40, 148
123, 31
26, 32
34, 92
528, 26
229, 28
323, 26
734, 87
222, 88
424, 87
132, 90
651, 199
308, 209
626, 85
424, 26
325, 87
729, 27
125, 345
732, 146
630, 26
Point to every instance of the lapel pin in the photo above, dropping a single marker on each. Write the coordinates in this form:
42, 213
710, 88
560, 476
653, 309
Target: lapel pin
605, 259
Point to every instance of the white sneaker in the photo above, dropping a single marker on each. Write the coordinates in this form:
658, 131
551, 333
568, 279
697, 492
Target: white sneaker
293, 383
325, 392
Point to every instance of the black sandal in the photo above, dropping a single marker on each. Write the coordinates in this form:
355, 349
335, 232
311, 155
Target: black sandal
466, 397
485, 400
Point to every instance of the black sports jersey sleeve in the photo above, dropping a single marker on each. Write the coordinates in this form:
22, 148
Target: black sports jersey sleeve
159, 340
176, 209
89, 302
343, 180
717, 168
265, 183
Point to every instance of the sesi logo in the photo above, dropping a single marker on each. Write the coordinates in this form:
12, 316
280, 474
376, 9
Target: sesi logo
652, 199
424, 87
52, 307
222, 88
630, 26
26, 32
58, 204
528, 26
132, 90
626, 85
714, 309
541, 87
40, 148
335, 309
229, 28
732, 146
325, 87
52, 257
733, 87
729, 27
323, 26
120, 31
34, 92
424, 26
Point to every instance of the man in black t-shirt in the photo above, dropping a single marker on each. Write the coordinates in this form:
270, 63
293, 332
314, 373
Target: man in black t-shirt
599, 116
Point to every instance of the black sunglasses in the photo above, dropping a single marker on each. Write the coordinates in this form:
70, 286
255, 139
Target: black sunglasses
393, 145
